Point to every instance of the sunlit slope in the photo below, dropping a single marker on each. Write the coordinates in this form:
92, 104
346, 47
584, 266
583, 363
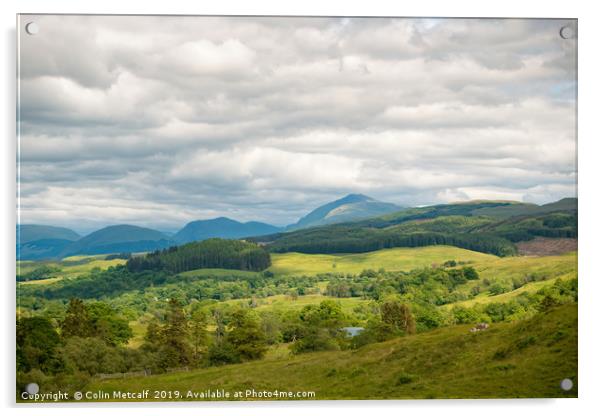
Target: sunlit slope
70, 267
540, 271
521, 359
390, 259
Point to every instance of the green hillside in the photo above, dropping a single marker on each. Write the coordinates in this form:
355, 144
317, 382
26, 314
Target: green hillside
71, 267
279, 325
390, 259
477, 226
516, 209
118, 239
32, 232
521, 359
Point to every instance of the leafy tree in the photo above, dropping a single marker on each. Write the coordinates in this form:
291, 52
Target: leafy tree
246, 335
399, 316
92, 355
464, 315
320, 327
37, 343
152, 337
428, 316
198, 332
77, 320
271, 326
223, 353
107, 325
375, 331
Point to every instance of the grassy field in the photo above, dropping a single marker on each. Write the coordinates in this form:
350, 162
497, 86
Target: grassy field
285, 302
509, 267
71, 267
504, 270
218, 273
390, 259
521, 359
485, 298
489, 267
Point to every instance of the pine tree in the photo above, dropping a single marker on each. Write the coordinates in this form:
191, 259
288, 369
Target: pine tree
77, 320
175, 350
198, 332
246, 335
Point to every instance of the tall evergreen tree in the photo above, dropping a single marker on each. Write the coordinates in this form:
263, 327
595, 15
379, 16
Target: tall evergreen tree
246, 335
77, 320
198, 332
175, 349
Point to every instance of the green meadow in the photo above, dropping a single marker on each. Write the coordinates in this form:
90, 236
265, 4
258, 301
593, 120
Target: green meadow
447, 360
395, 259
510, 360
69, 267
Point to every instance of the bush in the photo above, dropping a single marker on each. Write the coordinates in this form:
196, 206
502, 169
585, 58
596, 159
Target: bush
223, 353
470, 273
497, 289
405, 378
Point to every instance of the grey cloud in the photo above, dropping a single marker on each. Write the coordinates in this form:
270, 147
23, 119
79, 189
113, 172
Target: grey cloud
158, 121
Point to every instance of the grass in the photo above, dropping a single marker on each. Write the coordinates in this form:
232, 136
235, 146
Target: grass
521, 359
71, 267
489, 267
394, 259
138, 331
509, 267
531, 287
282, 303
546, 270
218, 273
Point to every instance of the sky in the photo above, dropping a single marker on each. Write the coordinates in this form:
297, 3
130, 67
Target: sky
158, 121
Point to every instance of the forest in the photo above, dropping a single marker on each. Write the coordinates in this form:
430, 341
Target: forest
218, 302
211, 253
427, 226
193, 329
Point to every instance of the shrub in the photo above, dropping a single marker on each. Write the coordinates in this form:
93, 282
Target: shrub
405, 378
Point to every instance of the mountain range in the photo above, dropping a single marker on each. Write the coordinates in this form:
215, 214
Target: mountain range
350, 208
222, 227
47, 242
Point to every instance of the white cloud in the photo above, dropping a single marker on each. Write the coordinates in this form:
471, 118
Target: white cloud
155, 120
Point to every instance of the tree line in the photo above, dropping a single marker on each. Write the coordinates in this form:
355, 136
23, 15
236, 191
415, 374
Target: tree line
211, 253
478, 233
359, 243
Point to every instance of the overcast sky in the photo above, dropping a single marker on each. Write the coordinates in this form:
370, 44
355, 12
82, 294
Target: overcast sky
157, 121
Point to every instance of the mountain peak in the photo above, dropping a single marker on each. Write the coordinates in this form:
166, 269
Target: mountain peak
352, 198
349, 208
222, 227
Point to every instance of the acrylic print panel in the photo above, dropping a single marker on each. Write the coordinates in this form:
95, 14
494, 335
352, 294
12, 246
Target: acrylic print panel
296, 208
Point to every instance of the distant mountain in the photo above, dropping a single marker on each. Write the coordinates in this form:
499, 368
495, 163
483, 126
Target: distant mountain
32, 232
42, 249
512, 209
487, 226
117, 239
222, 228
350, 208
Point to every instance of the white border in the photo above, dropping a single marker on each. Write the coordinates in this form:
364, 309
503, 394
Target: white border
590, 201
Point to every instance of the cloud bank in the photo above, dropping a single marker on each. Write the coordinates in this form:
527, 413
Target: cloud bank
157, 121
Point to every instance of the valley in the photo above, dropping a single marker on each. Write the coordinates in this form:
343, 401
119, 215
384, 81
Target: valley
250, 313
